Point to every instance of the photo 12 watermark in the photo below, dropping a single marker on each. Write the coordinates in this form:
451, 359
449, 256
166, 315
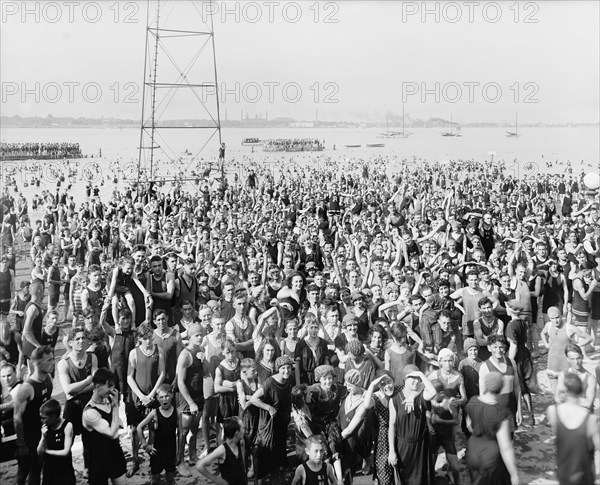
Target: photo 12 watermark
53, 171
270, 11
70, 12
271, 92
54, 92
470, 12
470, 91
130, 92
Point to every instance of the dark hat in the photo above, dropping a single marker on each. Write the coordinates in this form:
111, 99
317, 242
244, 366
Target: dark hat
355, 347
348, 319
283, 360
469, 342
312, 287
352, 377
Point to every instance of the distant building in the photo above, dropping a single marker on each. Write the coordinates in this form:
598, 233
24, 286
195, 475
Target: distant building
303, 124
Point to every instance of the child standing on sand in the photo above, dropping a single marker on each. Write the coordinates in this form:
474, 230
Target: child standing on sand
315, 471
167, 451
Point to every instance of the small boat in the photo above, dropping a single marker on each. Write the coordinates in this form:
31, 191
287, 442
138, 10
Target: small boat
353, 146
395, 134
514, 134
251, 142
375, 145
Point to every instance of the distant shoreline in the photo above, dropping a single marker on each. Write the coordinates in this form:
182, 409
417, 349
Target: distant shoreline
321, 125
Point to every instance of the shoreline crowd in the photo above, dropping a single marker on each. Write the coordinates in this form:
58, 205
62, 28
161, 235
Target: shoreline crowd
367, 319
53, 150
293, 145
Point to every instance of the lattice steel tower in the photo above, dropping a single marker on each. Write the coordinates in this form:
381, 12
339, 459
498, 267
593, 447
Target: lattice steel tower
181, 96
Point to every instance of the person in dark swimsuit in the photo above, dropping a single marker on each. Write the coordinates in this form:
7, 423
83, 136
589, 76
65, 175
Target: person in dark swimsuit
167, 451
576, 435
34, 317
229, 456
190, 375
55, 446
92, 295
101, 422
145, 374
28, 425
75, 371
315, 471
7, 285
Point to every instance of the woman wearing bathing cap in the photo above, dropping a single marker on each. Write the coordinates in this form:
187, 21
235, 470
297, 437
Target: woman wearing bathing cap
376, 400
490, 453
357, 360
453, 387
274, 399
324, 400
408, 439
357, 445
453, 381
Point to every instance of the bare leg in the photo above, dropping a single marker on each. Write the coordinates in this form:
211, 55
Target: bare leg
553, 378
337, 468
190, 425
135, 448
130, 304
115, 308
529, 404
593, 325
208, 421
67, 307
454, 467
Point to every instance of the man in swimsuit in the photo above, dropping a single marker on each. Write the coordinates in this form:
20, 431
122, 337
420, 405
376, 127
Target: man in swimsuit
75, 372
190, 384
28, 425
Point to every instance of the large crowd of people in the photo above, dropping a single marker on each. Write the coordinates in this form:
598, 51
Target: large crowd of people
378, 318
293, 145
54, 150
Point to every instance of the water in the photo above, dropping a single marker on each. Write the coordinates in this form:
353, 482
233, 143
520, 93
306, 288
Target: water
531, 150
534, 144
524, 156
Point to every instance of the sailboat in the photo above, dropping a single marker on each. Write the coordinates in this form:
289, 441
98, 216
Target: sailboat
395, 134
387, 133
452, 132
514, 134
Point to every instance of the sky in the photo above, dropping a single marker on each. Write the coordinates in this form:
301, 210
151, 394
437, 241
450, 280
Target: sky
345, 60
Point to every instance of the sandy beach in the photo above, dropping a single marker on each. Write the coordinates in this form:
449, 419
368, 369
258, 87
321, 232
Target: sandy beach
534, 447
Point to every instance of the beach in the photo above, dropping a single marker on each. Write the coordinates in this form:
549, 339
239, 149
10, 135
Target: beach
534, 447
